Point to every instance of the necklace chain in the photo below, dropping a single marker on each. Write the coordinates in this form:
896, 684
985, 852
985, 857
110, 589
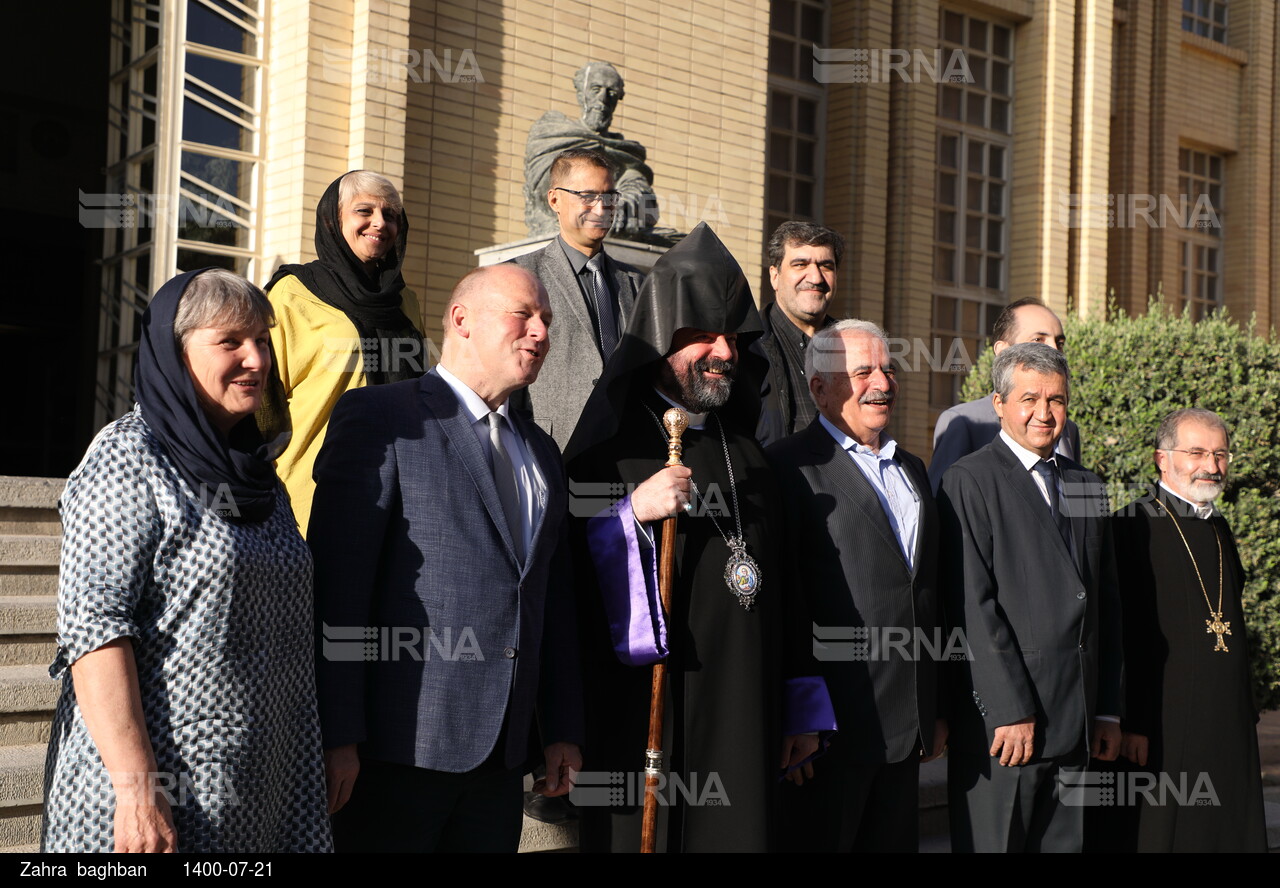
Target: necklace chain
1214, 624
733, 484
741, 573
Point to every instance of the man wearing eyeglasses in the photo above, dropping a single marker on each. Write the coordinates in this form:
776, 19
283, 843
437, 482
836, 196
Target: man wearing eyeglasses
1189, 723
599, 88
591, 293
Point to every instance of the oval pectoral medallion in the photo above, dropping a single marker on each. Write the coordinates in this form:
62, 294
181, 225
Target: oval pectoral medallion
741, 573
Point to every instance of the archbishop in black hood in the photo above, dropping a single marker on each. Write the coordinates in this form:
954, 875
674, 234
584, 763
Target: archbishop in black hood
737, 650
697, 285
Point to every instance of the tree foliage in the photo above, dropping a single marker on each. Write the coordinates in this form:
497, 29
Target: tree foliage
1128, 373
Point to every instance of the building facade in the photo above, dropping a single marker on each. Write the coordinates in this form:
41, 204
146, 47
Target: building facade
971, 153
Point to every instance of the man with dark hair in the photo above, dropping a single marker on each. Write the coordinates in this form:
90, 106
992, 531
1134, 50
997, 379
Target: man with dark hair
1031, 581
599, 88
803, 260
863, 534
737, 646
1189, 720
964, 428
591, 294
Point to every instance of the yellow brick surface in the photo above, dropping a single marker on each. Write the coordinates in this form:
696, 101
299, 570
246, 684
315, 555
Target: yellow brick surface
1104, 98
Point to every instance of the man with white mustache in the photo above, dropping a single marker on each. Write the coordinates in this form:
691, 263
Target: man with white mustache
1189, 715
863, 532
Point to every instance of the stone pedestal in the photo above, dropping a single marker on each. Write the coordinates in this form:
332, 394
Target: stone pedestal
642, 256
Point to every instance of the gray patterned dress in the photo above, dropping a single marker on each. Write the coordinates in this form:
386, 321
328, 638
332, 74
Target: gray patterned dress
220, 619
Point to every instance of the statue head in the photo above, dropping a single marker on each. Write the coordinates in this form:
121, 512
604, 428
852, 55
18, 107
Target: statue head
600, 89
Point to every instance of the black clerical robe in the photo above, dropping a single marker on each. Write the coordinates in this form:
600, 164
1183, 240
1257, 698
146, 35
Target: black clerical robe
1192, 702
727, 665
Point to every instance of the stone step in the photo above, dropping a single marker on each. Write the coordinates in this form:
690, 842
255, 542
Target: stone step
19, 492
29, 550
24, 728
28, 580
43, 522
21, 777
536, 836
28, 615
20, 827
22, 849
27, 650
27, 689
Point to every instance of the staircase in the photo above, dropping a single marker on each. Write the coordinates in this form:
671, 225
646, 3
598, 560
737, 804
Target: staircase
29, 542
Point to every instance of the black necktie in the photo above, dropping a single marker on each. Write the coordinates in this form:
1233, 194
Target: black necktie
1048, 471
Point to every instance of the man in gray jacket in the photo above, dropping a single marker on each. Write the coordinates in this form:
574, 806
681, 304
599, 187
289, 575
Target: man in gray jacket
591, 294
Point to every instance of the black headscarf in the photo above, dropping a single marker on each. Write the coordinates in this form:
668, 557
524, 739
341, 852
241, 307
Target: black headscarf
696, 284
372, 304
235, 477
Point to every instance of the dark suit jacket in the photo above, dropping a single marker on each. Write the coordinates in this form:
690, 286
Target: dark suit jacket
408, 533
964, 428
850, 566
777, 397
574, 364
1043, 625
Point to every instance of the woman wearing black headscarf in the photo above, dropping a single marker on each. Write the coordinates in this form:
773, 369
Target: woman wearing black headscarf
343, 321
187, 720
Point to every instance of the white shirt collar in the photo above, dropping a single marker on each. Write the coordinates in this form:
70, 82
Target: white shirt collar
1202, 510
475, 406
1028, 458
696, 420
888, 446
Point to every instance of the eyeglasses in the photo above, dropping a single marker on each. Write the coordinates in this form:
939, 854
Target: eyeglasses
607, 199
1198, 454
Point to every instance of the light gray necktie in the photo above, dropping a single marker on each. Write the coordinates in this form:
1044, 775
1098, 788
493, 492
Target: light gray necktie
504, 477
602, 300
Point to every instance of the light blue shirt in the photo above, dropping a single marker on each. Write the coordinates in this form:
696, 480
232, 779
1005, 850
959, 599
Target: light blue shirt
898, 497
531, 485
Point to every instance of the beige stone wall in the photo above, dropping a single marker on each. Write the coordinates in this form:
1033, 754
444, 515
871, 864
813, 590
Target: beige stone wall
1177, 90
464, 141
440, 95
305, 122
1091, 151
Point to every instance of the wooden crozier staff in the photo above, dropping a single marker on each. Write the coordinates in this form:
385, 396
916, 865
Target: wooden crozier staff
676, 421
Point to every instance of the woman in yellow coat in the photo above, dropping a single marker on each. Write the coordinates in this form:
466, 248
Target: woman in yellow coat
344, 320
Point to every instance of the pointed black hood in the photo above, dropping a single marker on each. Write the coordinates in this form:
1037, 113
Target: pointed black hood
696, 284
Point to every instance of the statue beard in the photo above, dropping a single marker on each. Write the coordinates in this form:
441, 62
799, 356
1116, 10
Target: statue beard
696, 392
596, 117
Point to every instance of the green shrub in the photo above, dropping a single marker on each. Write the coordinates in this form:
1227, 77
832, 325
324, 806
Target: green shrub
1127, 373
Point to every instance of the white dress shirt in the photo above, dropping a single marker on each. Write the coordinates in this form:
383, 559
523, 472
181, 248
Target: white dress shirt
531, 484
